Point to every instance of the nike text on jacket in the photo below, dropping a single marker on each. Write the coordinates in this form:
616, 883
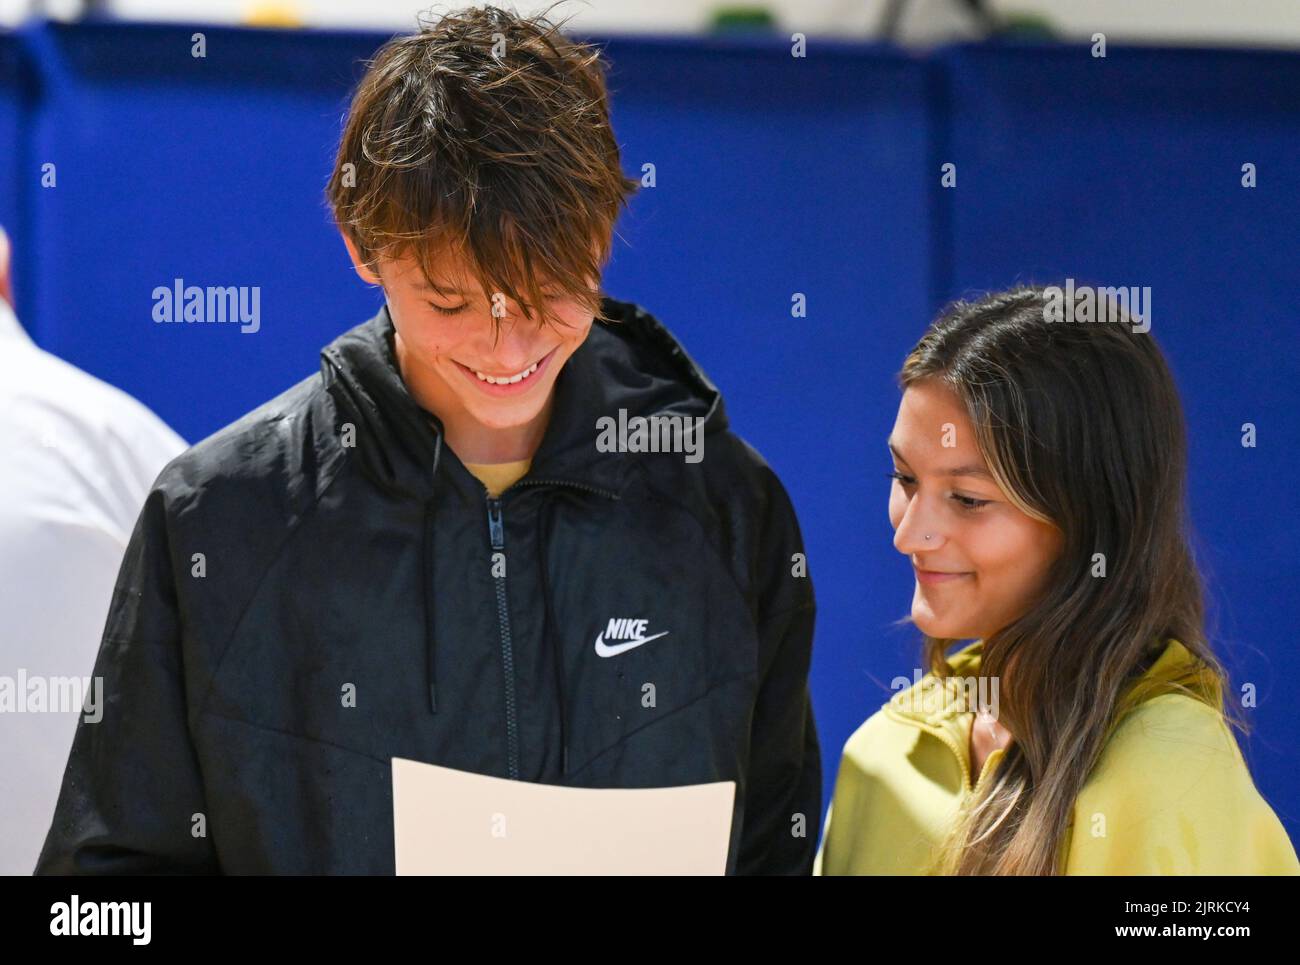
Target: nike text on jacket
322, 586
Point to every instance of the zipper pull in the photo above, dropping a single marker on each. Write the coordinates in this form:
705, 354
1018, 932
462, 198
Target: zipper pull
496, 528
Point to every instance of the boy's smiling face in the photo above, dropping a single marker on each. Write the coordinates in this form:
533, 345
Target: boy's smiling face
491, 389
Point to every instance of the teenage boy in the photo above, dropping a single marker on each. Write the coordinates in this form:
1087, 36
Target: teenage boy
505, 529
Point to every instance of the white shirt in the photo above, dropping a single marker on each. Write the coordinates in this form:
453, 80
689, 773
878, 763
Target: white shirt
77, 458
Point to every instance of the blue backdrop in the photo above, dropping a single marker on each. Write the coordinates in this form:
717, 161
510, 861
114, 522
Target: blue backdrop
776, 175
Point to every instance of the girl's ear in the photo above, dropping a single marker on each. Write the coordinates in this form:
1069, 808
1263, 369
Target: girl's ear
366, 274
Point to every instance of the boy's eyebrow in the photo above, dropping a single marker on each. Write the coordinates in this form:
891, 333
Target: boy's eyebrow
955, 471
426, 287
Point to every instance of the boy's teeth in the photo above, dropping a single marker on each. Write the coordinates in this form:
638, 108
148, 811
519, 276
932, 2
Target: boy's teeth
517, 377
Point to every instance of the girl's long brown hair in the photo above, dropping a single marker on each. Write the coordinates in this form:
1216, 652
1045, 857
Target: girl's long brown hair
1081, 426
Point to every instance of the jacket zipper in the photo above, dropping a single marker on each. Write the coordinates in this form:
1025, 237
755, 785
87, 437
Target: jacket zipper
497, 532
985, 774
497, 535
990, 766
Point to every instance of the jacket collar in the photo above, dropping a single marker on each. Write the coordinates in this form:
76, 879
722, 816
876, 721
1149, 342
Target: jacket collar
940, 706
632, 364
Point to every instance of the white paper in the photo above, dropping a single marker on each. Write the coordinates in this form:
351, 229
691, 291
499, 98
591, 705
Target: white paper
450, 822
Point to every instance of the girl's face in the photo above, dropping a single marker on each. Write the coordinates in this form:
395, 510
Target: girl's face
984, 561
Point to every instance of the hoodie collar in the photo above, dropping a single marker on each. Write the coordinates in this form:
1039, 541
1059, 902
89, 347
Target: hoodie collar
633, 363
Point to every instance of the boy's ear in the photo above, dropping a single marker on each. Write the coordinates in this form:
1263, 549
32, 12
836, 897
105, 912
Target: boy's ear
366, 274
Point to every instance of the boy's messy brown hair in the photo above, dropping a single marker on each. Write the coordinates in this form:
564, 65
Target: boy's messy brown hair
487, 134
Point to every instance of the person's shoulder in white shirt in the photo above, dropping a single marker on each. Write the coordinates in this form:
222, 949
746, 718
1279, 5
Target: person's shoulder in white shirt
79, 458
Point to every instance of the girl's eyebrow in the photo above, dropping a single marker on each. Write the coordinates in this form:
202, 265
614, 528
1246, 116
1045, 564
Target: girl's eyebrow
969, 471
955, 471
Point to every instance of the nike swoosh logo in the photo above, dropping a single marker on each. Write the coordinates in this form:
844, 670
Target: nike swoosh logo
613, 650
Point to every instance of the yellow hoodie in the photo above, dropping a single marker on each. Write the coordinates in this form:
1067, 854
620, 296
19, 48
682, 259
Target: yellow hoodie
1171, 793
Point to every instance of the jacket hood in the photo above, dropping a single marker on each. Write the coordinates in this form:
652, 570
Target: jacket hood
632, 363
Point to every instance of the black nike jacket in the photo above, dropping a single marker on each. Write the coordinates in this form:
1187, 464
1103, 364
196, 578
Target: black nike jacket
323, 586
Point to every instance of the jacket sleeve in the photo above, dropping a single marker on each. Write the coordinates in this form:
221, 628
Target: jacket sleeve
783, 793
132, 797
1172, 795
